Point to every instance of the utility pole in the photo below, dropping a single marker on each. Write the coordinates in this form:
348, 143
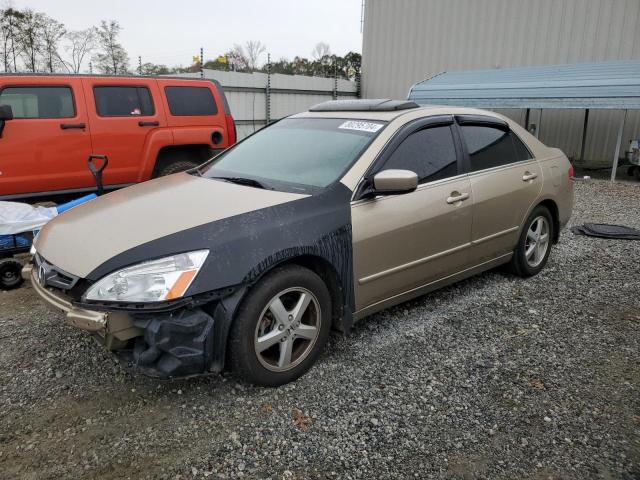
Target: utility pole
201, 62
91, 68
139, 65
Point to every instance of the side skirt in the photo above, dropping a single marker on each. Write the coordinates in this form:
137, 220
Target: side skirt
430, 287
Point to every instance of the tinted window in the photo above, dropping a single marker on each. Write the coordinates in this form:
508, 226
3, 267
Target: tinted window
492, 147
296, 153
430, 153
190, 101
522, 152
39, 102
123, 101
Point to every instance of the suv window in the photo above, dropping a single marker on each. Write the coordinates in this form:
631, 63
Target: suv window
431, 153
39, 102
492, 147
190, 101
123, 101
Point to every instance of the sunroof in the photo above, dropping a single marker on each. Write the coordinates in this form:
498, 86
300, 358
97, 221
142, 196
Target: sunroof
369, 105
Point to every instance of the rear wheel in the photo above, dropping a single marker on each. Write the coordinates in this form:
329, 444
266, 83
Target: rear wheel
534, 245
281, 327
175, 167
10, 274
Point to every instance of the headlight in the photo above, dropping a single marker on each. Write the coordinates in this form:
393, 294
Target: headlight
163, 279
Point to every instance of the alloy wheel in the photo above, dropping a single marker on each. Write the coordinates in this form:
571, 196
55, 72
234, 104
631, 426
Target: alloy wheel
287, 329
537, 242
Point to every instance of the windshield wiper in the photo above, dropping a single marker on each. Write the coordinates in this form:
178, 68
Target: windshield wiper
250, 182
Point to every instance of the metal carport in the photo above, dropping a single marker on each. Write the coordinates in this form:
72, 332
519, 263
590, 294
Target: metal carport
603, 85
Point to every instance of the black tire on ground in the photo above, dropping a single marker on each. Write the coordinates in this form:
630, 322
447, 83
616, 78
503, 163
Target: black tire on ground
242, 350
10, 274
519, 264
632, 170
175, 167
636, 173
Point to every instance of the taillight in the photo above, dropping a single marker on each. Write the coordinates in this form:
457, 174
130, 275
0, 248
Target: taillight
570, 174
231, 129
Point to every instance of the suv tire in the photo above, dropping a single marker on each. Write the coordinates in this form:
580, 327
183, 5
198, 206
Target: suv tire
175, 167
281, 327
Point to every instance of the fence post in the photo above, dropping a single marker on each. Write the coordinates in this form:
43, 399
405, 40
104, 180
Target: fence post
268, 91
139, 65
201, 62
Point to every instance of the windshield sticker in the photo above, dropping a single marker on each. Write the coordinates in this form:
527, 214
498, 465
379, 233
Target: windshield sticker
361, 126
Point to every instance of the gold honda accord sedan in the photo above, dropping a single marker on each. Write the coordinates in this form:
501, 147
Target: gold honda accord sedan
249, 260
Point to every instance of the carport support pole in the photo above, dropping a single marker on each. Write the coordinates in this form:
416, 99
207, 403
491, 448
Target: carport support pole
584, 135
618, 144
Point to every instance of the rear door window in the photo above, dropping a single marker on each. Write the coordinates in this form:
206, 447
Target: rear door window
430, 153
190, 101
39, 102
491, 147
114, 101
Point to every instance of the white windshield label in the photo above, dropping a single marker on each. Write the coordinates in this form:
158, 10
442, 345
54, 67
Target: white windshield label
361, 126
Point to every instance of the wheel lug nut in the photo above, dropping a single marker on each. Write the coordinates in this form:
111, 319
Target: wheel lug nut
280, 327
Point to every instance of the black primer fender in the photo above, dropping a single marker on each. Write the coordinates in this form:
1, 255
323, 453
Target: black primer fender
244, 247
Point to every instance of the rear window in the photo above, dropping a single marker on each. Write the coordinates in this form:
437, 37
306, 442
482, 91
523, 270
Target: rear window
190, 101
39, 102
492, 147
123, 101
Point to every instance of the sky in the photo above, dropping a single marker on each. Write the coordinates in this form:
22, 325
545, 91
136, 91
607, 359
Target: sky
171, 32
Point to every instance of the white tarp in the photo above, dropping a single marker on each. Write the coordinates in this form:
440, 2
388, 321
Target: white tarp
21, 217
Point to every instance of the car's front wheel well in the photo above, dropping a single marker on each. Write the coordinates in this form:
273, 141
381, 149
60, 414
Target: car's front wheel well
329, 276
555, 215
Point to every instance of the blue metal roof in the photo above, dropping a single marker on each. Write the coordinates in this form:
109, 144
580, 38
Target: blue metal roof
612, 85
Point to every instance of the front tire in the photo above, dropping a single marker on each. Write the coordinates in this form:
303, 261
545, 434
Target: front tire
281, 327
534, 244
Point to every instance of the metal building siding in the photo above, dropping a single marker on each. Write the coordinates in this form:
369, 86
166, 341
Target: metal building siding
406, 41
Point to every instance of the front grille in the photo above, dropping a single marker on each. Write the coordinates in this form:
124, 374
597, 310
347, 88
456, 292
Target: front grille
49, 275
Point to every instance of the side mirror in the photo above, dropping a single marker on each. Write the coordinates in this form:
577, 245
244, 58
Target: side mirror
5, 114
395, 181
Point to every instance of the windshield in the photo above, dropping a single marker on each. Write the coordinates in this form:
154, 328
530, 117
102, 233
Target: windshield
295, 154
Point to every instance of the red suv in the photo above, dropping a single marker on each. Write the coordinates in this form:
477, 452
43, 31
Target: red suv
145, 126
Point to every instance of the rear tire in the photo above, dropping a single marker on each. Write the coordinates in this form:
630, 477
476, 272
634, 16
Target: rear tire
176, 167
534, 244
281, 327
10, 274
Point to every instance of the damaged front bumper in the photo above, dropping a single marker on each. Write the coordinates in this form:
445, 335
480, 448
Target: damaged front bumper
170, 344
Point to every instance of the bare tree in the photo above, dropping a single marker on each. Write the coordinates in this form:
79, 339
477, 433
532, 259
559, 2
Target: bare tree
30, 38
320, 51
112, 58
9, 32
254, 49
52, 33
237, 58
79, 45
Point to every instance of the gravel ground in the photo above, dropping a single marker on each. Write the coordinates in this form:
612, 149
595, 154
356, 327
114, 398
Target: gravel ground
494, 377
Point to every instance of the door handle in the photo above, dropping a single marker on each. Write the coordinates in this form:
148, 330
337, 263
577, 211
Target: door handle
457, 197
529, 176
148, 124
67, 126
